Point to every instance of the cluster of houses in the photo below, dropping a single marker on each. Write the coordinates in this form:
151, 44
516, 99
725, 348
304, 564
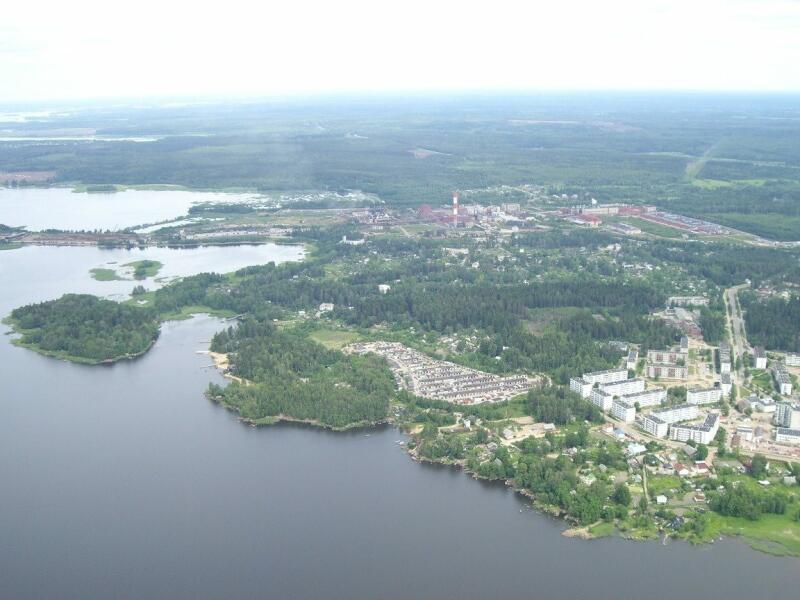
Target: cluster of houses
444, 380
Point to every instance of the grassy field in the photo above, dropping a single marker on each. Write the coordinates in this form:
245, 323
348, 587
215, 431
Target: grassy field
773, 534
655, 228
762, 379
662, 484
334, 339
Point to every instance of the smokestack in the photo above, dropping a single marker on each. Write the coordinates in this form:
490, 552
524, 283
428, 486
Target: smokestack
455, 210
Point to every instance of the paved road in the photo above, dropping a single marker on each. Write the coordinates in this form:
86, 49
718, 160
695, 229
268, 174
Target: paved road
736, 322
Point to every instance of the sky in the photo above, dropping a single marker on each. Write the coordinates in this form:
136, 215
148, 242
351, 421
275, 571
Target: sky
84, 49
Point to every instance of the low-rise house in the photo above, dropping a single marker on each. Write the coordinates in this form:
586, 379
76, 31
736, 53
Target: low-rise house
680, 470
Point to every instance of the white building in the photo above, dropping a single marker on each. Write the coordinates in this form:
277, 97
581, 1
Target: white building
579, 386
760, 357
724, 358
583, 385
653, 396
725, 384
383, 288
782, 379
792, 359
653, 425
704, 395
701, 434
602, 399
623, 411
787, 415
677, 413
784, 435
325, 307
623, 388
633, 358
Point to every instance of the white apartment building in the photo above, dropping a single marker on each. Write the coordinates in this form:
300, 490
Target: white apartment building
623, 388
605, 377
760, 356
653, 396
633, 358
579, 386
666, 371
701, 434
787, 415
783, 379
623, 411
704, 395
602, 399
653, 425
725, 384
724, 358
784, 435
677, 413
792, 359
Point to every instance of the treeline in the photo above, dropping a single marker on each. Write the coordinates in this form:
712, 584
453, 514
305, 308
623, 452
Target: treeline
742, 501
774, 323
290, 375
85, 327
559, 405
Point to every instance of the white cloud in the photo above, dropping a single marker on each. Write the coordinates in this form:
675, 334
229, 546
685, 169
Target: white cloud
86, 48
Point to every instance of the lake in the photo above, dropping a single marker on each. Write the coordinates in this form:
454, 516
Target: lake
123, 481
61, 208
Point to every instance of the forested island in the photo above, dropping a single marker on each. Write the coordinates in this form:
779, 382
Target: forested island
85, 328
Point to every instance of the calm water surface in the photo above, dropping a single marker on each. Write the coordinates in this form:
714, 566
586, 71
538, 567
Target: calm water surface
61, 208
123, 481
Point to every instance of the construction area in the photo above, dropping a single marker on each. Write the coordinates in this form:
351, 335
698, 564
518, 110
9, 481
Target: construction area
442, 380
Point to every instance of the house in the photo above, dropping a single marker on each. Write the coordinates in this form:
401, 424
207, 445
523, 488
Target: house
680, 469
661, 499
701, 468
326, 307
635, 449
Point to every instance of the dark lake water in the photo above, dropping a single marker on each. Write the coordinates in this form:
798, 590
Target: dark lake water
125, 482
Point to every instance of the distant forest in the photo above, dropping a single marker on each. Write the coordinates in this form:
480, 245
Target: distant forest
694, 154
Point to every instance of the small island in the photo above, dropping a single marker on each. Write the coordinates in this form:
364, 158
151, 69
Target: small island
138, 270
85, 329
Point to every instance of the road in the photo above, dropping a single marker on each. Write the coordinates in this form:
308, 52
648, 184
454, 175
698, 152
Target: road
736, 323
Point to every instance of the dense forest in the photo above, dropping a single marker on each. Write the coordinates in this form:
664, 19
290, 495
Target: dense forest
774, 323
86, 328
291, 376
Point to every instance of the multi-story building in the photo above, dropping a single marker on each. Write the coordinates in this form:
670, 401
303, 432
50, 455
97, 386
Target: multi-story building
724, 358
684, 347
677, 413
725, 384
665, 371
787, 415
784, 435
793, 359
666, 357
579, 386
782, 379
601, 398
625, 387
633, 358
704, 395
653, 425
623, 411
760, 357
653, 396
583, 385
701, 434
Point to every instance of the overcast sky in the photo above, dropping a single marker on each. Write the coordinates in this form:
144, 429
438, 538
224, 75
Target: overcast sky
53, 50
